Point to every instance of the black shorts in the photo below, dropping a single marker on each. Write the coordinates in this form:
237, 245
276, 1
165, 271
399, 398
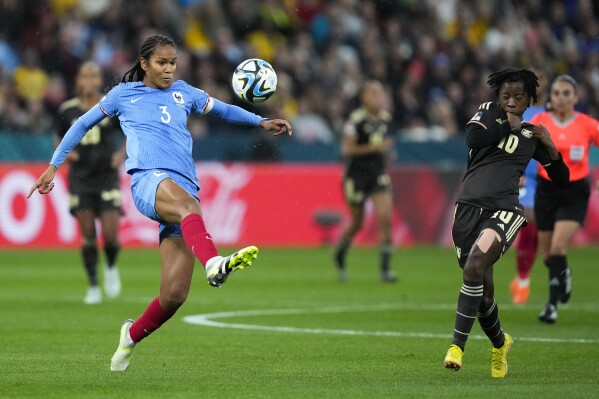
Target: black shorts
96, 202
553, 203
470, 220
358, 188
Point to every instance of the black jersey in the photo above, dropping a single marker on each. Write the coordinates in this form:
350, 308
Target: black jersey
93, 171
368, 129
493, 171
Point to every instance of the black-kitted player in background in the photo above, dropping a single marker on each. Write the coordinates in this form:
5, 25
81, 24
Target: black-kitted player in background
94, 181
367, 148
487, 214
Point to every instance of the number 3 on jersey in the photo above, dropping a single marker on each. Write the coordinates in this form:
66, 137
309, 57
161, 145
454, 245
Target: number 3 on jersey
166, 117
508, 144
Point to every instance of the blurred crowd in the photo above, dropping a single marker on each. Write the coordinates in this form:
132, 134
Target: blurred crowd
433, 57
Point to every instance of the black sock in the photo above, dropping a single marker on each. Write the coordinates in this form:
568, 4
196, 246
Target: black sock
469, 299
341, 251
489, 322
385, 250
111, 250
90, 261
557, 266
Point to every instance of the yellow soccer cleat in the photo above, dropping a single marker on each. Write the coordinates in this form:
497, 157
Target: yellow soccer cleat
499, 358
219, 268
122, 357
453, 359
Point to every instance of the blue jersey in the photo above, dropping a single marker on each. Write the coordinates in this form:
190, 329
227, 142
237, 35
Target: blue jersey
155, 123
532, 111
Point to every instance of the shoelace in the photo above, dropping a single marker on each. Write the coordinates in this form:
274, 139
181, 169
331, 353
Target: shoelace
497, 358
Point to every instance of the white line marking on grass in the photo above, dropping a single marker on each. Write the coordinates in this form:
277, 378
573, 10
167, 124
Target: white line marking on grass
208, 321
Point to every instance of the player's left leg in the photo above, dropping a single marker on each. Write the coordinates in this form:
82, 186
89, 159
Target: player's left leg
488, 317
483, 254
560, 274
177, 271
383, 206
174, 204
110, 226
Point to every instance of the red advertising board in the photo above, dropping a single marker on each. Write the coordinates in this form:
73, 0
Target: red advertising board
262, 204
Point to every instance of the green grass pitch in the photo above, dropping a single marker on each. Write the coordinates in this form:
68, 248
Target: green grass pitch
288, 329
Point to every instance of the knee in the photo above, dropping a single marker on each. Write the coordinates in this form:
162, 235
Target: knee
88, 241
354, 227
171, 300
558, 249
188, 206
385, 222
112, 244
474, 267
485, 303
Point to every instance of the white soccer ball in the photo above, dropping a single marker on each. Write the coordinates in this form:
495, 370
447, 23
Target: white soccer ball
254, 80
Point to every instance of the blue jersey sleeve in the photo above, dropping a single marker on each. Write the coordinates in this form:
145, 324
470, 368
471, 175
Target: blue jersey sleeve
200, 100
232, 113
109, 104
75, 133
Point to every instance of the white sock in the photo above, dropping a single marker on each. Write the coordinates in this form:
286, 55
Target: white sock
523, 282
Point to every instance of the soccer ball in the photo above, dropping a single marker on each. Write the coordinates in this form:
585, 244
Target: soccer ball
254, 80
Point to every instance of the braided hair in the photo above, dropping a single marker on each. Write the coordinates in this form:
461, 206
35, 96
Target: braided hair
137, 74
525, 76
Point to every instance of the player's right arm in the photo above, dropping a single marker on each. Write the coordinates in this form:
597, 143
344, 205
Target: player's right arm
486, 127
73, 136
108, 106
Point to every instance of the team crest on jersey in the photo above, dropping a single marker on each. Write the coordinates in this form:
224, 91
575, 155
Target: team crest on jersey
477, 116
526, 133
178, 97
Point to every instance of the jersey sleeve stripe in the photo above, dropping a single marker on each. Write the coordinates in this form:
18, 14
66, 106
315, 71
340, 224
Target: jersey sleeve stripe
208, 106
105, 113
478, 123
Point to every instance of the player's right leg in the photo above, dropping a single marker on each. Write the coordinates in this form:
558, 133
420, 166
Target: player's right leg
89, 253
525, 257
344, 243
383, 206
110, 224
175, 280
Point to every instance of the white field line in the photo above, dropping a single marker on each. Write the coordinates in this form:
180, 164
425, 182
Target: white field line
208, 320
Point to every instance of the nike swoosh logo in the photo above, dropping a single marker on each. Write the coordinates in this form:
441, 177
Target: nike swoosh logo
136, 99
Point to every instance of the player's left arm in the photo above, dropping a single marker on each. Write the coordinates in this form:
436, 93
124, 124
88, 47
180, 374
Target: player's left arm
550, 158
239, 116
